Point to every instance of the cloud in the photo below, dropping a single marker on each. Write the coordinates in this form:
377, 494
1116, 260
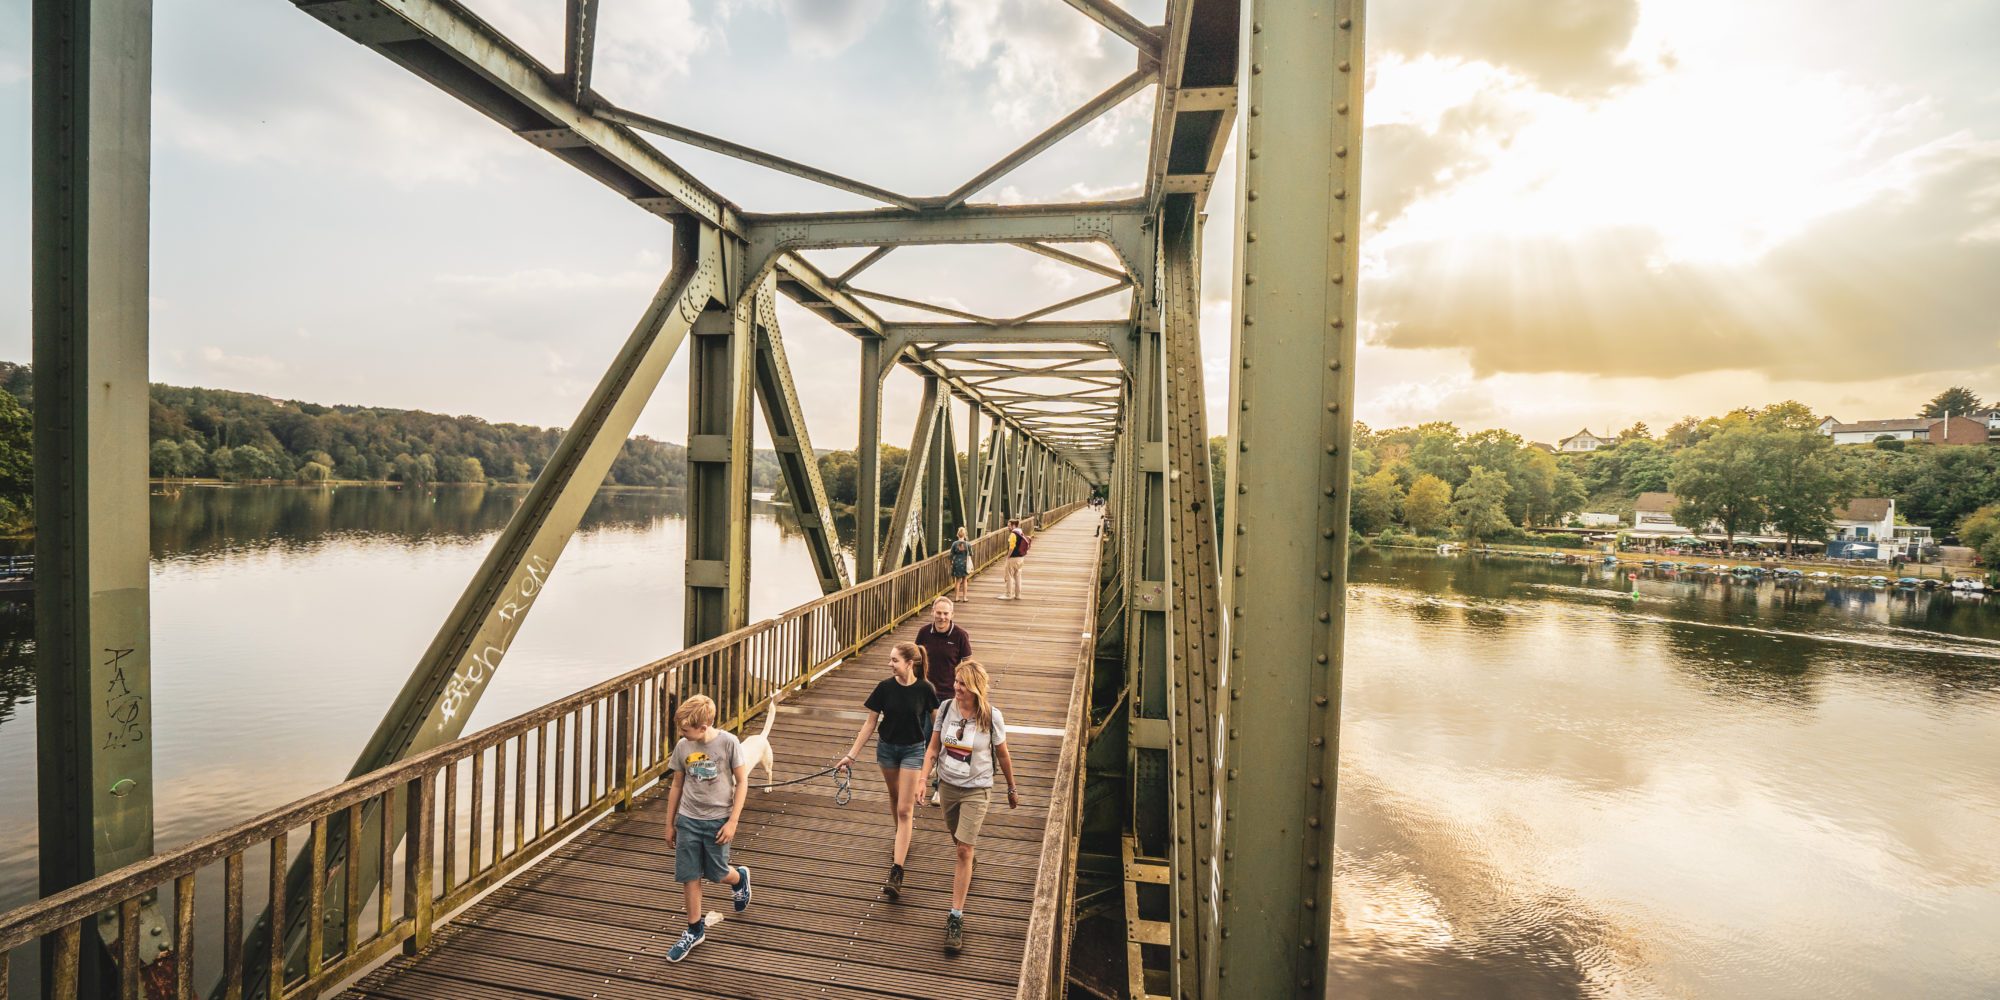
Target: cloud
827, 27
1897, 284
1409, 161
1574, 47
644, 47
221, 362
1045, 61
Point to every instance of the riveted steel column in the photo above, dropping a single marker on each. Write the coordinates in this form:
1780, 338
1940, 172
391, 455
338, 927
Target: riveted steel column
1292, 383
789, 438
1146, 640
720, 387
868, 456
92, 129
902, 516
942, 456
972, 518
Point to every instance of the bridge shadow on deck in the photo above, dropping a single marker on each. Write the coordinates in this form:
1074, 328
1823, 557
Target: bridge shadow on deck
595, 918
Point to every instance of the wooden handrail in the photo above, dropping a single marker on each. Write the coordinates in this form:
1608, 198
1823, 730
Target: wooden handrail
1045, 964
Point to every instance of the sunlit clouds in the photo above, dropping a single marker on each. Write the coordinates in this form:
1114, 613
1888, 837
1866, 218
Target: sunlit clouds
1575, 211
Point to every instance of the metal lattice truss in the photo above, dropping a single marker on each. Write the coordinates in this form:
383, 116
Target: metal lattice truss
1063, 400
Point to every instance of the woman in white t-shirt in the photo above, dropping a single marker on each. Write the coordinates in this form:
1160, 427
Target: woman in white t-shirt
969, 738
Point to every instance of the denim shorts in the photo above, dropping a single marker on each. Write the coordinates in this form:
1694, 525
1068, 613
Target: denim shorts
696, 854
904, 755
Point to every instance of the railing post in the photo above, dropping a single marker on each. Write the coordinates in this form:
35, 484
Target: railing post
418, 846
621, 761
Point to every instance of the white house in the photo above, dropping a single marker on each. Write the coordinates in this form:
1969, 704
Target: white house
1590, 520
1870, 519
1653, 514
1866, 431
1583, 440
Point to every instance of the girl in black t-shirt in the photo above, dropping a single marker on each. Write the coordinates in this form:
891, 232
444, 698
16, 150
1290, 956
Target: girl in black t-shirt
901, 708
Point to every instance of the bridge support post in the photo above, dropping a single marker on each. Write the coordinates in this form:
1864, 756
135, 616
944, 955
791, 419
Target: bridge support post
915, 462
796, 461
868, 456
91, 166
720, 359
1291, 390
936, 474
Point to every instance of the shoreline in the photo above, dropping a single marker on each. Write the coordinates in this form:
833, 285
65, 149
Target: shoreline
1596, 555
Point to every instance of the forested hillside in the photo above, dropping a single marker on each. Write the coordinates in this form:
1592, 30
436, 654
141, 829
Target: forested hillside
242, 436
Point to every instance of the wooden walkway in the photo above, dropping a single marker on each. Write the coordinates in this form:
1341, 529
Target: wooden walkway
595, 918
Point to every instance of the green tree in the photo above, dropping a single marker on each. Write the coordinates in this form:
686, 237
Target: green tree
164, 459
1567, 497
1957, 399
1802, 480
1637, 432
1719, 481
1479, 507
1376, 502
314, 472
1436, 452
1427, 507
17, 463
1981, 531
415, 470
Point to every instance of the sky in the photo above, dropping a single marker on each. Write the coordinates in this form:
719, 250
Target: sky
1577, 213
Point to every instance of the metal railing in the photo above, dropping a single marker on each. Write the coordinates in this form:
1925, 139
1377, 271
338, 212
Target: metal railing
572, 762
1052, 916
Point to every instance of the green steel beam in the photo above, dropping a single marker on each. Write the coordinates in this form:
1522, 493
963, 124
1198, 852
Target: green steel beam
721, 371
91, 134
1292, 389
936, 472
797, 463
1194, 617
447, 45
908, 492
970, 514
868, 456
579, 45
1119, 225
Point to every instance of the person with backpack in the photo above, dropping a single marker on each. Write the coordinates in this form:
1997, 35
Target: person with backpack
966, 744
1018, 542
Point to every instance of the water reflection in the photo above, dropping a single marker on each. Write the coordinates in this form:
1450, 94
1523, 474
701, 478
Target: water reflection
1551, 788
285, 620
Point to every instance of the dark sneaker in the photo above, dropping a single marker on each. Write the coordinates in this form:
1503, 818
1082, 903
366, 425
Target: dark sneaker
894, 887
954, 933
742, 893
686, 944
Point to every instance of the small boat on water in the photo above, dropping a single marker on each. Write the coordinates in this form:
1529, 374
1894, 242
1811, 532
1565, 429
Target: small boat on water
1820, 575
1969, 586
1908, 583
1878, 581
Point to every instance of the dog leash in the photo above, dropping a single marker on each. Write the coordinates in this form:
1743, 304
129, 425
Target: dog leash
841, 772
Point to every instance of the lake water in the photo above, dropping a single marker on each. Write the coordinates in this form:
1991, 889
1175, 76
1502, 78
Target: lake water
1551, 789
1548, 789
286, 620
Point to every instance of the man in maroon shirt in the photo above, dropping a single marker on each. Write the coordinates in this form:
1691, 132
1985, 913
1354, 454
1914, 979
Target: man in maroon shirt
945, 644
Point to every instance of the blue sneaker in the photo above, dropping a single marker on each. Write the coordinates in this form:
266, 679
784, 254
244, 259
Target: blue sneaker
689, 938
742, 893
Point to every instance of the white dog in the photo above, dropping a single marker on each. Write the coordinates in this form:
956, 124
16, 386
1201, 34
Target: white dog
757, 749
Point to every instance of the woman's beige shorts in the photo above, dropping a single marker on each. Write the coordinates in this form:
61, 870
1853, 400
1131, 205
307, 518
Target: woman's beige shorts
964, 811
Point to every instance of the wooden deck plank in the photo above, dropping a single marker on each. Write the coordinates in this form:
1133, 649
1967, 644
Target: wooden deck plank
594, 918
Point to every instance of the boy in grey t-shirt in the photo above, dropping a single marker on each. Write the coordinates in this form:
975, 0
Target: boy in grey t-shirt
711, 781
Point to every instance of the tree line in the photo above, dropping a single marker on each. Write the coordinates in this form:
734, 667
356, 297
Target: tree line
1743, 470
241, 437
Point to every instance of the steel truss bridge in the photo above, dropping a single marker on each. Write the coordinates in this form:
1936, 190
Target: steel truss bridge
1204, 739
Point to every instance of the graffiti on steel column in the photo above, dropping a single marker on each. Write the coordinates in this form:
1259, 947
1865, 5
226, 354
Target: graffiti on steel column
122, 705
481, 665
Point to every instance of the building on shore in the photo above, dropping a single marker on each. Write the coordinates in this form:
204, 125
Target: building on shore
1862, 528
1978, 427
1583, 440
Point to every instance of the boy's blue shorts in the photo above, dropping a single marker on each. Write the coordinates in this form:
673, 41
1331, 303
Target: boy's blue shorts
696, 854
